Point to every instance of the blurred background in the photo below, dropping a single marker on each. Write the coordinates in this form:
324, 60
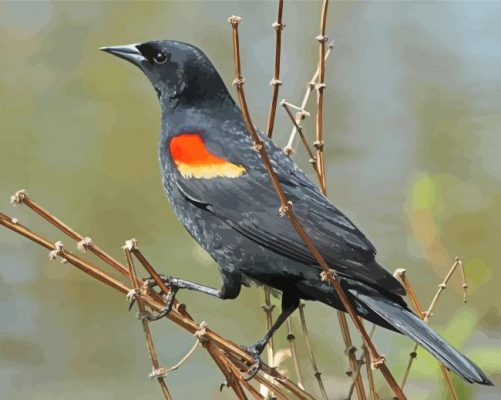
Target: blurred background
413, 141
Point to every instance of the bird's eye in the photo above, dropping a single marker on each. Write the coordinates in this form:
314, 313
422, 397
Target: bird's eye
160, 58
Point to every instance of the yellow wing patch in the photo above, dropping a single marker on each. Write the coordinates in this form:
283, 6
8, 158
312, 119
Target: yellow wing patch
227, 170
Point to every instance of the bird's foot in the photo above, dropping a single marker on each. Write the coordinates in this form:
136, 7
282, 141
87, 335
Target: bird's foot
169, 300
254, 351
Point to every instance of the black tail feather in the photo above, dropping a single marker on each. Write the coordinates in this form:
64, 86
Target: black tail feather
412, 326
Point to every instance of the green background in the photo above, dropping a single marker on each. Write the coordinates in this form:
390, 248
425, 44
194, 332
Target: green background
412, 132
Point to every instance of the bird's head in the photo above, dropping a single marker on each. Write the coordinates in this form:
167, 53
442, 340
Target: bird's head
180, 73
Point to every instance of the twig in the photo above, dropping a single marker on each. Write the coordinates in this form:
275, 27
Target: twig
320, 87
370, 376
268, 310
317, 373
158, 373
275, 82
350, 350
425, 316
465, 284
296, 120
356, 375
242, 381
178, 315
402, 276
318, 164
309, 87
291, 338
286, 209
85, 243
222, 364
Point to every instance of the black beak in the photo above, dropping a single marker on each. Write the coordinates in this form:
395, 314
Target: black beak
128, 52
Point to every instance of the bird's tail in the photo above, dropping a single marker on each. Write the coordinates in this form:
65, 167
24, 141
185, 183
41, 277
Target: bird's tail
412, 326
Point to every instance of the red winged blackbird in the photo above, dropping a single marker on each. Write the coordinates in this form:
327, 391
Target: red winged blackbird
219, 189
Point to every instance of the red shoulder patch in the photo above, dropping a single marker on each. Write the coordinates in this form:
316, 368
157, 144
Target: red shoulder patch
194, 160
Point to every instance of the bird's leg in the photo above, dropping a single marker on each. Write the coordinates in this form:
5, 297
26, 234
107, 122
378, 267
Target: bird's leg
289, 305
230, 289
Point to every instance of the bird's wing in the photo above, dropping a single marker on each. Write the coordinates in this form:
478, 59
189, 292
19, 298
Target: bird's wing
250, 205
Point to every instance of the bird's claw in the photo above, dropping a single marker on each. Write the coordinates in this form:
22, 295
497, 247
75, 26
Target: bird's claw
169, 301
255, 350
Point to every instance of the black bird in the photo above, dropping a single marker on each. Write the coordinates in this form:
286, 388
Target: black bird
218, 187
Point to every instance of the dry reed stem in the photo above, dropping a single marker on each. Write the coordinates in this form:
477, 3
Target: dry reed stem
426, 315
321, 175
353, 363
278, 393
275, 82
291, 338
146, 328
311, 354
370, 376
286, 209
268, 310
251, 389
309, 87
84, 243
320, 87
411, 294
356, 375
178, 315
296, 122
222, 363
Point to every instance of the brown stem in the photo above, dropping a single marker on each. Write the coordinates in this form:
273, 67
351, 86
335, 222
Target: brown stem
286, 209
309, 87
299, 129
313, 361
291, 338
268, 310
178, 315
425, 316
146, 328
251, 389
223, 365
349, 351
320, 87
21, 197
275, 82
147, 266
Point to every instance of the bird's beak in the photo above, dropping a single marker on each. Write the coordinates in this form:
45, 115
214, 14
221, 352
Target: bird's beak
128, 52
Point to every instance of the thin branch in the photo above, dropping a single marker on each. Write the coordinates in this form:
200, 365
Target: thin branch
84, 243
402, 276
370, 376
211, 341
157, 372
275, 82
356, 375
317, 373
251, 389
350, 351
309, 88
425, 316
296, 121
268, 310
320, 87
286, 209
223, 365
291, 338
